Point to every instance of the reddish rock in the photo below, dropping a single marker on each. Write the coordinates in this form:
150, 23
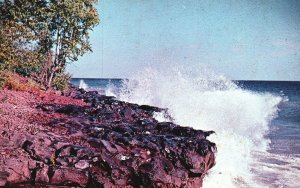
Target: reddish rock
69, 177
42, 176
91, 140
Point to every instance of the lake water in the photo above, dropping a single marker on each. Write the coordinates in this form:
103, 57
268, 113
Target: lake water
257, 123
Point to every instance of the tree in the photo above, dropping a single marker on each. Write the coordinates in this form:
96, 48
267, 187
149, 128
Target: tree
54, 32
14, 44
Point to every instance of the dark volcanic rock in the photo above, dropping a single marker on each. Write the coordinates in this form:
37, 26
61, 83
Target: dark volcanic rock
109, 144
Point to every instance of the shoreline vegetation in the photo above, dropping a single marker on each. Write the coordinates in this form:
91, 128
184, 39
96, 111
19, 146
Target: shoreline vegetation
39, 38
54, 134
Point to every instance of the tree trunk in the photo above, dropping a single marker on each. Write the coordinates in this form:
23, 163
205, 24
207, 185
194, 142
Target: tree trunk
55, 64
50, 80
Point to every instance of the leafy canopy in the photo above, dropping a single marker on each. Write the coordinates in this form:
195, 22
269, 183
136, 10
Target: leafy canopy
38, 38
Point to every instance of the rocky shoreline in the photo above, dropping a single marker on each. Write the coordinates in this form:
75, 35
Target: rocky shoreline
89, 140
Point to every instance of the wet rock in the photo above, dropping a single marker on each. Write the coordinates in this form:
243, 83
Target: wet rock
69, 109
108, 143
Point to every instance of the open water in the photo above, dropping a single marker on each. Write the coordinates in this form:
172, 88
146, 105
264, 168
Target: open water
257, 123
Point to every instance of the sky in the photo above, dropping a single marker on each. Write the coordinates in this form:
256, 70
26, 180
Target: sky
244, 40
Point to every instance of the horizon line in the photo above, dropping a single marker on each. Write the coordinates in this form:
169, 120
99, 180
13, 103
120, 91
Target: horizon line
231, 80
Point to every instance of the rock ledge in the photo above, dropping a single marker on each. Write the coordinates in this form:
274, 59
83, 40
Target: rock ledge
100, 143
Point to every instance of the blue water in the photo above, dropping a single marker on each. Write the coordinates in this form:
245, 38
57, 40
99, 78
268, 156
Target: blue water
284, 130
98, 82
277, 167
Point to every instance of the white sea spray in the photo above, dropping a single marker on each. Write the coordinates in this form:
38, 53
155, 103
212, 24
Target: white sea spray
83, 85
111, 90
199, 98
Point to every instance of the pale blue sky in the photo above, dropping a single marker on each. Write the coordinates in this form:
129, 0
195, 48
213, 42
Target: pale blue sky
252, 40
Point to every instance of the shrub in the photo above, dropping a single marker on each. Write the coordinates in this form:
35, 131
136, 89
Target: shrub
15, 82
61, 82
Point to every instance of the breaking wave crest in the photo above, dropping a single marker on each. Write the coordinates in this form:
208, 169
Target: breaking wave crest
204, 100
83, 85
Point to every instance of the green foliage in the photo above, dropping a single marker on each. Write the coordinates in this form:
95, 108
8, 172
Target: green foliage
61, 82
38, 38
15, 49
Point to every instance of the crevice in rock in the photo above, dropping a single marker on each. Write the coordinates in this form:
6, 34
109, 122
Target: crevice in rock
33, 176
50, 172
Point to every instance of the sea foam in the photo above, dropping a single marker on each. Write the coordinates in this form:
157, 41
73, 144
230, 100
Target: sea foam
83, 85
199, 98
